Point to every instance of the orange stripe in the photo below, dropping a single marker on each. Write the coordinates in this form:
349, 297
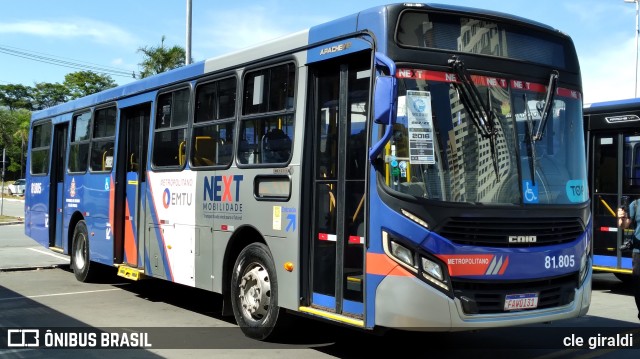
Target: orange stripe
130, 249
381, 264
112, 201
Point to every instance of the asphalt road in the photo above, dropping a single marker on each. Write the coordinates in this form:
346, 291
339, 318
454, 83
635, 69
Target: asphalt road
182, 322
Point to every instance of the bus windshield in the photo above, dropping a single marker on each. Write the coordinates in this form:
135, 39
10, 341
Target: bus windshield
438, 152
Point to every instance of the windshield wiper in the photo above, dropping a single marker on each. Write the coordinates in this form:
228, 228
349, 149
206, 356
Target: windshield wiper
482, 116
531, 151
548, 103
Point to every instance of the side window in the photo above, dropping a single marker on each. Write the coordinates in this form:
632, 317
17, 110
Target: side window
40, 145
266, 128
212, 136
170, 141
79, 149
104, 130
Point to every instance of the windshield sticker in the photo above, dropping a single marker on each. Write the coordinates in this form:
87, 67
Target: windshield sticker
576, 191
530, 192
421, 150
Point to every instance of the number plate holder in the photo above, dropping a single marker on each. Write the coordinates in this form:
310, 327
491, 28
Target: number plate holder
520, 301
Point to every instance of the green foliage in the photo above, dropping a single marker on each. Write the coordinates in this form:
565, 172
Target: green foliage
14, 132
16, 96
160, 59
84, 83
45, 94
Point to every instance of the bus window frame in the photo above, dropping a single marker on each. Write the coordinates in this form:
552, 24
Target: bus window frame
241, 117
153, 130
113, 105
193, 125
72, 133
31, 132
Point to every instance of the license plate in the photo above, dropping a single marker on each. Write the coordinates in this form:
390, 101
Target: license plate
520, 301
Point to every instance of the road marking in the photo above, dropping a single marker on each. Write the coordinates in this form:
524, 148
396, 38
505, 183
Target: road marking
48, 253
14, 351
60, 294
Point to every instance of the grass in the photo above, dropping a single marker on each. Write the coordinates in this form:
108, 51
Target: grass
4, 219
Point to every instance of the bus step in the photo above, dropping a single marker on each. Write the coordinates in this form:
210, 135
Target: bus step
333, 316
354, 283
130, 273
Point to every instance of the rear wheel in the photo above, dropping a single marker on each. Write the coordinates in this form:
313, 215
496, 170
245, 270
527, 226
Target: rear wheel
254, 292
9, 191
80, 260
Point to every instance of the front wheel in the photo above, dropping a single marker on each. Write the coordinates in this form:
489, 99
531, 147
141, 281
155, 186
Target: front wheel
80, 260
254, 292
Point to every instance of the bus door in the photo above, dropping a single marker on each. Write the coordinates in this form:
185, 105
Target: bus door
56, 215
340, 97
130, 185
616, 173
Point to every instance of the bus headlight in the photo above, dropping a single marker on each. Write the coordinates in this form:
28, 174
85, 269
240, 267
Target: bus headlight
433, 269
425, 266
402, 253
433, 272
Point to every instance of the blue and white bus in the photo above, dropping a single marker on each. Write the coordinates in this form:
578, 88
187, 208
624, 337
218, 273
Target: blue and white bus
410, 166
613, 145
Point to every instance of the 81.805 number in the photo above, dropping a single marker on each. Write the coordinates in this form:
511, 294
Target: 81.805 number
562, 261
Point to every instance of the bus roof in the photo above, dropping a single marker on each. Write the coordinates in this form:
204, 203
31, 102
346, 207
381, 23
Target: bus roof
612, 105
322, 32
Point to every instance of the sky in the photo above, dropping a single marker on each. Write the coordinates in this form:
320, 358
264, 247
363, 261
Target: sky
108, 34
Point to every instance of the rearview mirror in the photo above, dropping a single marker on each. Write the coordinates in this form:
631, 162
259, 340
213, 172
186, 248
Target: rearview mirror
383, 101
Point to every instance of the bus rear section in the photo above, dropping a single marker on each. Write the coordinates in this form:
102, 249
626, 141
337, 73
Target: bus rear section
613, 134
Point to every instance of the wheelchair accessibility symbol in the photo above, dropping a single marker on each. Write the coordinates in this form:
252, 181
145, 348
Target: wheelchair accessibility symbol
530, 192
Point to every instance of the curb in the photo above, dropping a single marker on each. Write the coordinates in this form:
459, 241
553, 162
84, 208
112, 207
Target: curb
10, 223
30, 268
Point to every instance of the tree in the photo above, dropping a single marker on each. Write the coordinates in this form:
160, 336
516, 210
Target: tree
16, 96
83, 83
14, 129
48, 94
160, 59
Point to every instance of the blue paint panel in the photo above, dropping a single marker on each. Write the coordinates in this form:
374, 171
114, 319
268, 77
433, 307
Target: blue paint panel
612, 261
88, 195
132, 101
373, 281
617, 105
375, 21
324, 300
352, 307
336, 49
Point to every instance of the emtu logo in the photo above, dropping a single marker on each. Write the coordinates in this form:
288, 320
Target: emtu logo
166, 198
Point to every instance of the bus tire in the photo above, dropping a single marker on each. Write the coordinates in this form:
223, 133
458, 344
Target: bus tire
254, 292
80, 260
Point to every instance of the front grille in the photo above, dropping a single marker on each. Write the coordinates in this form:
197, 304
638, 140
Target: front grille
488, 297
495, 232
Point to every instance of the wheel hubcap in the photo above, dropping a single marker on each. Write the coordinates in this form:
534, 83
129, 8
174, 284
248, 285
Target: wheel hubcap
255, 292
80, 251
